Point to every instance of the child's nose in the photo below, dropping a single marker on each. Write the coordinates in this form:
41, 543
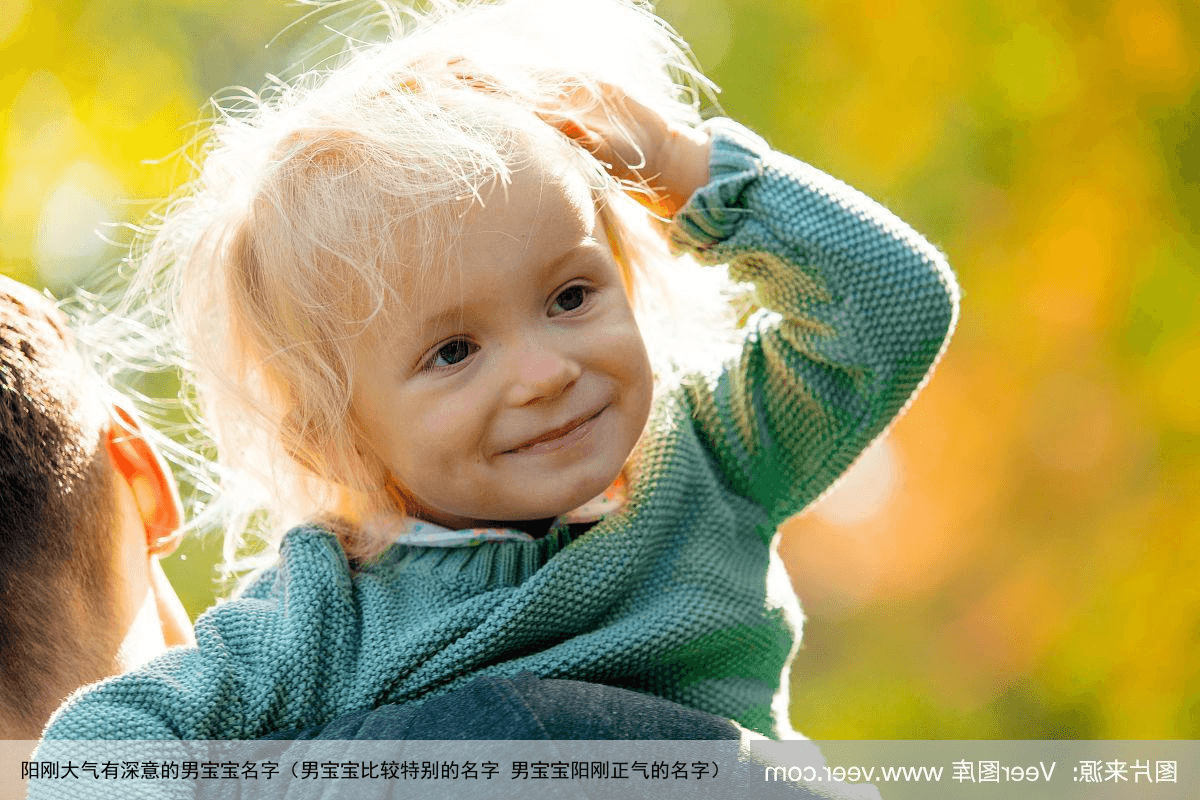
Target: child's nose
541, 374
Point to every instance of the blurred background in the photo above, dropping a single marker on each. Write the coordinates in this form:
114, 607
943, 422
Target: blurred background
1020, 557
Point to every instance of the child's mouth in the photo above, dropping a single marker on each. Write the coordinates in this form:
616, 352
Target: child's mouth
568, 434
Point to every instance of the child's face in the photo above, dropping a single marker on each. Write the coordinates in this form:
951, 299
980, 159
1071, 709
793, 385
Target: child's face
517, 389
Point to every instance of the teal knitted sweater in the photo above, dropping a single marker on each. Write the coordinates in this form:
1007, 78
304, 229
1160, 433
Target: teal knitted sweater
667, 596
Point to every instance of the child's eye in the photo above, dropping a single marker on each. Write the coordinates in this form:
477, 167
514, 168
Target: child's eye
570, 299
451, 353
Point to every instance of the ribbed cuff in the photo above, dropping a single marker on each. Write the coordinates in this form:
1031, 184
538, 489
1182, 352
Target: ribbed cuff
716, 210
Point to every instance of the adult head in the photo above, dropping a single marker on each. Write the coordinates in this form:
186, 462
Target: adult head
86, 509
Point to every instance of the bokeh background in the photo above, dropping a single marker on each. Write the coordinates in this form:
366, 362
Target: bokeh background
1020, 557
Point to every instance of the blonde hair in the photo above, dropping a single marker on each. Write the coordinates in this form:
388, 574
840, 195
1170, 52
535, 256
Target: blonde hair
314, 197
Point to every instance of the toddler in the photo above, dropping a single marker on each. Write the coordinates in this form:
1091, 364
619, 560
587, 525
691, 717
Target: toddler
412, 287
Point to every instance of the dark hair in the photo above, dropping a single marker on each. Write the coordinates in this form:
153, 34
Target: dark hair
57, 516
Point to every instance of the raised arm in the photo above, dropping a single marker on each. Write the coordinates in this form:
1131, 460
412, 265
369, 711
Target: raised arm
858, 309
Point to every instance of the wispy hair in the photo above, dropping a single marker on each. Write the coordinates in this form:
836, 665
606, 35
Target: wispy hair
316, 196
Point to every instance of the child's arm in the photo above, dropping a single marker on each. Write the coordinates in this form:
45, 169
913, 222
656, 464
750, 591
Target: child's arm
863, 307
284, 655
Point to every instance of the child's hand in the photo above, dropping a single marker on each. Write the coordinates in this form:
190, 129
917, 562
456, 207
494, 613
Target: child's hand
641, 146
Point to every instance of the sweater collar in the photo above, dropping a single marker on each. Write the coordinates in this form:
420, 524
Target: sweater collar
419, 533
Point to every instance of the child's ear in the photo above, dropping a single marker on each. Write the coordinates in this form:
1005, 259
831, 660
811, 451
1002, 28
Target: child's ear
139, 465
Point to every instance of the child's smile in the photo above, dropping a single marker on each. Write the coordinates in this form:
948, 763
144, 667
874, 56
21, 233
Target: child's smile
574, 431
515, 388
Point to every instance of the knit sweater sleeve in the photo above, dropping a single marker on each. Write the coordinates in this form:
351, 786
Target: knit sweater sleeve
858, 307
261, 663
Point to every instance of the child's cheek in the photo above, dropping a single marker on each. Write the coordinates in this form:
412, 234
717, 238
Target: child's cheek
448, 416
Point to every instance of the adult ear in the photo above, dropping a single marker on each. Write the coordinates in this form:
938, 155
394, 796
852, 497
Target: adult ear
153, 487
